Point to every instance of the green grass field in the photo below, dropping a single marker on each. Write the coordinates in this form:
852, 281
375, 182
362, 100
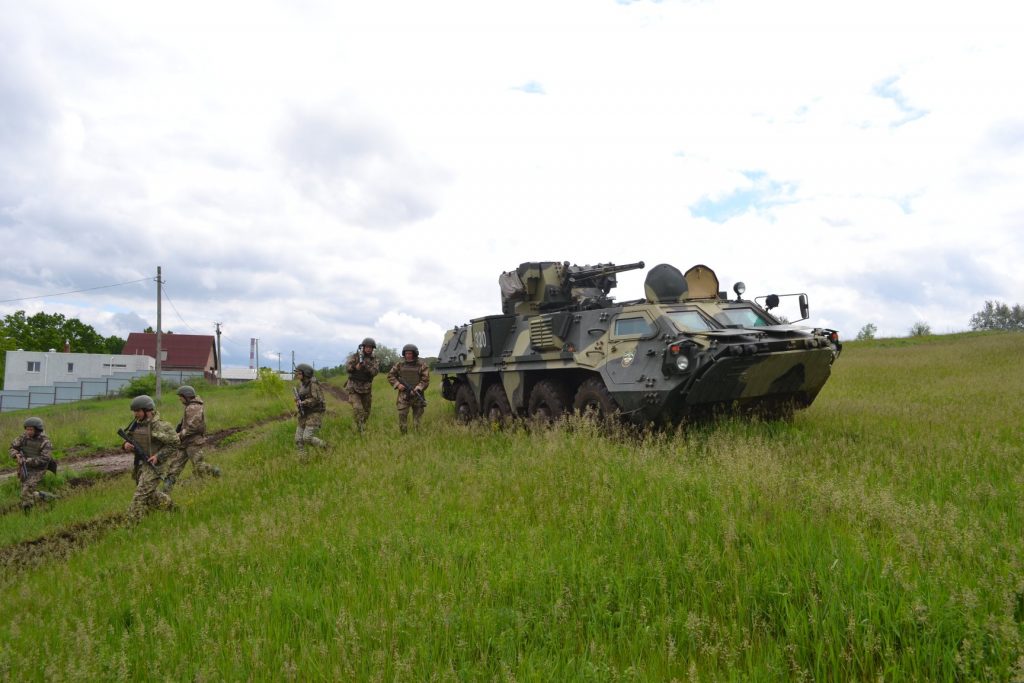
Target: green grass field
879, 535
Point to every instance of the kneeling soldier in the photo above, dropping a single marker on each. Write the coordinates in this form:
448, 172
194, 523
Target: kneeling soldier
410, 376
192, 433
34, 454
154, 440
309, 400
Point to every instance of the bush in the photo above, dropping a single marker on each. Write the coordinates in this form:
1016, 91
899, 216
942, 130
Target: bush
268, 383
920, 329
145, 385
867, 332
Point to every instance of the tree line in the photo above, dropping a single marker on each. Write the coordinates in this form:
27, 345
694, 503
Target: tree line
45, 331
994, 316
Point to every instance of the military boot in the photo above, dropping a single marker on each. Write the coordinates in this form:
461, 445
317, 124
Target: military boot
46, 496
169, 483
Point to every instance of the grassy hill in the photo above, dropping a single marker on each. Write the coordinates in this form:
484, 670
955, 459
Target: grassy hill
877, 535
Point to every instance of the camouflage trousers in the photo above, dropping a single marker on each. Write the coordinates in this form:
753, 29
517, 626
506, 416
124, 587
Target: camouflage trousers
146, 495
28, 488
404, 404
360, 407
176, 464
305, 432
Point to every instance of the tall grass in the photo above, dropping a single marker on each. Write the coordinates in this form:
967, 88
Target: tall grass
878, 535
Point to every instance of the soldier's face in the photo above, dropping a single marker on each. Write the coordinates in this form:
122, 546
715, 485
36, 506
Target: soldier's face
30, 432
409, 356
367, 350
139, 414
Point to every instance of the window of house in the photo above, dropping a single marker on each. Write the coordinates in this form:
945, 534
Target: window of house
34, 366
71, 368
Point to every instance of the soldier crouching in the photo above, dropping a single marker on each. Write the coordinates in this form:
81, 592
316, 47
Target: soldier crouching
154, 440
410, 376
309, 399
192, 434
34, 454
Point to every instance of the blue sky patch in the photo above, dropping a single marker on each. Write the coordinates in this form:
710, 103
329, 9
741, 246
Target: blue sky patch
531, 88
887, 90
762, 192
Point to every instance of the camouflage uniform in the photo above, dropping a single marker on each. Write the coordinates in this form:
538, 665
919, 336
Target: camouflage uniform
192, 434
311, 401
37, 452
360, 386
155, 436
415, 374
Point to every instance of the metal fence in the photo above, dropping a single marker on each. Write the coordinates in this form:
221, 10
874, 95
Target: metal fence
69, 392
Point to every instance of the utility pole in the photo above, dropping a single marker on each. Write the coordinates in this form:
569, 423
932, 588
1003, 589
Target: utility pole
293, 362
159, 339
278, 362
220, 361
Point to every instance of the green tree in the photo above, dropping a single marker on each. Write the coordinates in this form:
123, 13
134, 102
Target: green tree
867, 332
920, 329
45, 331
998, 316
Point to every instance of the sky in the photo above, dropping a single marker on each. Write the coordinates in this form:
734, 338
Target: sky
311, 173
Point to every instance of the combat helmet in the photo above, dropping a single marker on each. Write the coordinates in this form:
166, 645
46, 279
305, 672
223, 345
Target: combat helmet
369, 342
143, 402
304, 369
186, 391
34, 422
411, 347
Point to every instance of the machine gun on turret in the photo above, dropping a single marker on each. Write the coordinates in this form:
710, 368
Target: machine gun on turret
544, 286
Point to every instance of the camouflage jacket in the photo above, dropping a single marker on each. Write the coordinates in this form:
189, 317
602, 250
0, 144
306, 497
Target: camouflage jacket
360, 379
156, 436
311, 396
417, 368
193, 423
38, 451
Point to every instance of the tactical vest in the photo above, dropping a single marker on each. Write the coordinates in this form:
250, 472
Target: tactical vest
32, 447
410, 374
201, 424
144, 437
305, 391
363, 375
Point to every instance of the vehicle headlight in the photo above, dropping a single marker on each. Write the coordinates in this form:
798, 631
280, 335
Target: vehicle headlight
682, 362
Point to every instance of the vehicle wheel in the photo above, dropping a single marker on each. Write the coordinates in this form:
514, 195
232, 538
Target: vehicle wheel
548, 401
593, 399
466, 408
496, 406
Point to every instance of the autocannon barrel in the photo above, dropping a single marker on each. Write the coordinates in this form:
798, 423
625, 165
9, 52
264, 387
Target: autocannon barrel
600, 270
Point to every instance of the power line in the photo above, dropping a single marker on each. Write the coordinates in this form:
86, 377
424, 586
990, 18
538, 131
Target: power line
176, 309
77, 291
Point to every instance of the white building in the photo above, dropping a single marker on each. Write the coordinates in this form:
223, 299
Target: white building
26, 369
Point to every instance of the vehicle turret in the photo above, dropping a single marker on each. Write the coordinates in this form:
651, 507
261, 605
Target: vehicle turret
545, 286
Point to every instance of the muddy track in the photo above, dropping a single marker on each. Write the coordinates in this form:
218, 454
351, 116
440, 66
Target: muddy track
60, 544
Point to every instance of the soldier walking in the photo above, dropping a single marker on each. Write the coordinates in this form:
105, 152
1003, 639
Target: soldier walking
361, 367
34, 454
192, 434
309, 400
410, 377
154, 440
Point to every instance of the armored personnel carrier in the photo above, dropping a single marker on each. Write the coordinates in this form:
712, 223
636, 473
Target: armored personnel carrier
685, 350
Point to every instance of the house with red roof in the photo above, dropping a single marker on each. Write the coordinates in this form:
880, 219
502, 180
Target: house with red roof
178, 351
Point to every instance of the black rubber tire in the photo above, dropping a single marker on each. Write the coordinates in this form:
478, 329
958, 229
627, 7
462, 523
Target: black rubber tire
496, 407
548, 401
593, 398
466, 408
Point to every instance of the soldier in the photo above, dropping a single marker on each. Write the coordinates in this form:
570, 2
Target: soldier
34, 454
309, 399
361, 367
192, 434
157, 441
410, 376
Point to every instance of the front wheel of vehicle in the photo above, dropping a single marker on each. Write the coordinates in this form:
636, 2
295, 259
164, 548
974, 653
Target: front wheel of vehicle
466, 408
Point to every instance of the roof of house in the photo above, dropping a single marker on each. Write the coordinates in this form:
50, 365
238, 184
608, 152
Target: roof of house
183, 350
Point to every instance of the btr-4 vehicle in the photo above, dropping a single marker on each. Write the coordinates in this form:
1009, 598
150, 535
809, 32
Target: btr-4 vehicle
685, 350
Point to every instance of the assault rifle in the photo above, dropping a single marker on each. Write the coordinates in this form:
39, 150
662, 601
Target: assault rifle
415, 393
298, 403
140, 454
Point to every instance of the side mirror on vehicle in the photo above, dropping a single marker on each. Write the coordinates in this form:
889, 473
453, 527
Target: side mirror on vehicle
805, 308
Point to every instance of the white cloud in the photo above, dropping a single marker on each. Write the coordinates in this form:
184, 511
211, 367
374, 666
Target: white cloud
312, 173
